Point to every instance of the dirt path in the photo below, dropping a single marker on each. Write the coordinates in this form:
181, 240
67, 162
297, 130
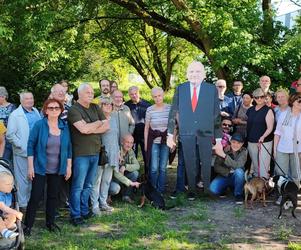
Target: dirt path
222, 222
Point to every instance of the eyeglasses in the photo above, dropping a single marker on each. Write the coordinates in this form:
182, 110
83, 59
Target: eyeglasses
227, 125
259, 97
298, 101
221, 87
298, 84
54, 108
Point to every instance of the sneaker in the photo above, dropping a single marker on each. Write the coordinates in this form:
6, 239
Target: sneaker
107, 208
8, 234
278, 201
191, 196
127, 199
200, 184
174, 195
77, 221
96, 211
239, 200
88, 215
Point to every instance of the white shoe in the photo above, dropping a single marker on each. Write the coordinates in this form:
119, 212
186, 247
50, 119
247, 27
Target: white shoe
278, 202
107, 208
96, 211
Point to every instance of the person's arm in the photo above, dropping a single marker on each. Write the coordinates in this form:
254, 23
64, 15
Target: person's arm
68, 169
103, 128
146, 129
239, 162
87, 128
269, 119
131, 122
217, 119
174, 109
12, 129
123, 179
134, 164
9, 210
276, 142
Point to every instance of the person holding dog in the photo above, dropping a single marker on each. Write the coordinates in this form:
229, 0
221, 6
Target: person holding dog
229, 167
197, 105
260, 127
287, 146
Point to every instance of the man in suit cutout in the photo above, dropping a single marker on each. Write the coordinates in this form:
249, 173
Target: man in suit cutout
197, 105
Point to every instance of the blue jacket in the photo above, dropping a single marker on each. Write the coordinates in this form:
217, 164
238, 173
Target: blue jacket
37, 145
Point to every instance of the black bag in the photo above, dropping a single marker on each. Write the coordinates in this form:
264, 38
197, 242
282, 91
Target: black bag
103, 157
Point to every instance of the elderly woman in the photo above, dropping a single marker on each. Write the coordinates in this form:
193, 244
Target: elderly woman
282, 99
239, 118
104, 176
287, 149
6, 108
49, 159
155, 133
260, 125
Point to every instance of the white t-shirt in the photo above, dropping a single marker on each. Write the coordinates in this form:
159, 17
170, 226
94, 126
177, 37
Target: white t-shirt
286, 134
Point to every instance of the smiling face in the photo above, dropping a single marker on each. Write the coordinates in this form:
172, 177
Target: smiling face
86, 95
236, 145
27, 100
58, 93
117, 98
196, 73
265, 82
158, 96
127, 142
104, 87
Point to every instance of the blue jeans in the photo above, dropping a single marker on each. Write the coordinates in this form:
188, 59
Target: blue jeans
159, 158
180, 186
83, 177
235, 180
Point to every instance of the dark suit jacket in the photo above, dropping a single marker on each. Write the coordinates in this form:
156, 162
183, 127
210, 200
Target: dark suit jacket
205, 121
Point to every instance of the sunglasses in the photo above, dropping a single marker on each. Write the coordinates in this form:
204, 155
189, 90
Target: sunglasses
54, 108
221, 87
227, 125
259, 97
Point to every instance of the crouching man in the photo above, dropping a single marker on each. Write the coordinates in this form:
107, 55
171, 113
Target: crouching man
128, 171
229, 166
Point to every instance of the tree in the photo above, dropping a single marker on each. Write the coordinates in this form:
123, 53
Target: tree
238, 39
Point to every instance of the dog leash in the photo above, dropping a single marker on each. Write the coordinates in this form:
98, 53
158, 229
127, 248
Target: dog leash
273, 158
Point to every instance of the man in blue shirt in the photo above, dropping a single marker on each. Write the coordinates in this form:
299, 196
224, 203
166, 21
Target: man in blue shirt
20, 122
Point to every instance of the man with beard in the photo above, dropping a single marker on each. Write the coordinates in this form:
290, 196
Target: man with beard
104, 86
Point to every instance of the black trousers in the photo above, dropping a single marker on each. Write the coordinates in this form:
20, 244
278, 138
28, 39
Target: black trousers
38, 184
139, 141
197, 153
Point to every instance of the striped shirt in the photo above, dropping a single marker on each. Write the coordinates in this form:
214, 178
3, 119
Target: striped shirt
158, 119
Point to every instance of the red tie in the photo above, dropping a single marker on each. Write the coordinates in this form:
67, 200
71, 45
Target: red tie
194, 100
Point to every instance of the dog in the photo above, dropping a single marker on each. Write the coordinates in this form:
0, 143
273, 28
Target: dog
257, 187
149, 192
288, 190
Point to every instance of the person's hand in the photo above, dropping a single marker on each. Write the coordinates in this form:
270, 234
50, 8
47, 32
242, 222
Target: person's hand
106, 124
135, 184
218, 148
19, 215
122, 169
170, 141
30, 173
224, 114
261, 139
68, 173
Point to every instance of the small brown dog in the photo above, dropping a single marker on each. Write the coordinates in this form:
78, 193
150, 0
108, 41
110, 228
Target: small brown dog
257, 187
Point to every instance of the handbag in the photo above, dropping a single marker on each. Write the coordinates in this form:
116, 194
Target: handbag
103, 156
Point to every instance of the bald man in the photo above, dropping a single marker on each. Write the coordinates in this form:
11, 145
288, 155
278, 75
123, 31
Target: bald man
197, 105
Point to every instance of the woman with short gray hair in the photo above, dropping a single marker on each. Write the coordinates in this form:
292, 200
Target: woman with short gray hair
6, 108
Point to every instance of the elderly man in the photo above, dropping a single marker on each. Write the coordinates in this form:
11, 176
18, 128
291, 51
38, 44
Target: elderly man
224, 101
126, 123
86, 122
138, 108
197, 105
20, 122
128, 170
105, 89
58, 92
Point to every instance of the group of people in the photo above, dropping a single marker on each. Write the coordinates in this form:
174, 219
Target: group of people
85, 150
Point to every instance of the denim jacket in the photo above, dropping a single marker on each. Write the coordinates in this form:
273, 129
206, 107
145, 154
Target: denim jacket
37, 145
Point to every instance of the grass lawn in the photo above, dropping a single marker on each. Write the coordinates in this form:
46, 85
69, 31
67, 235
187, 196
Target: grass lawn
128, 227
